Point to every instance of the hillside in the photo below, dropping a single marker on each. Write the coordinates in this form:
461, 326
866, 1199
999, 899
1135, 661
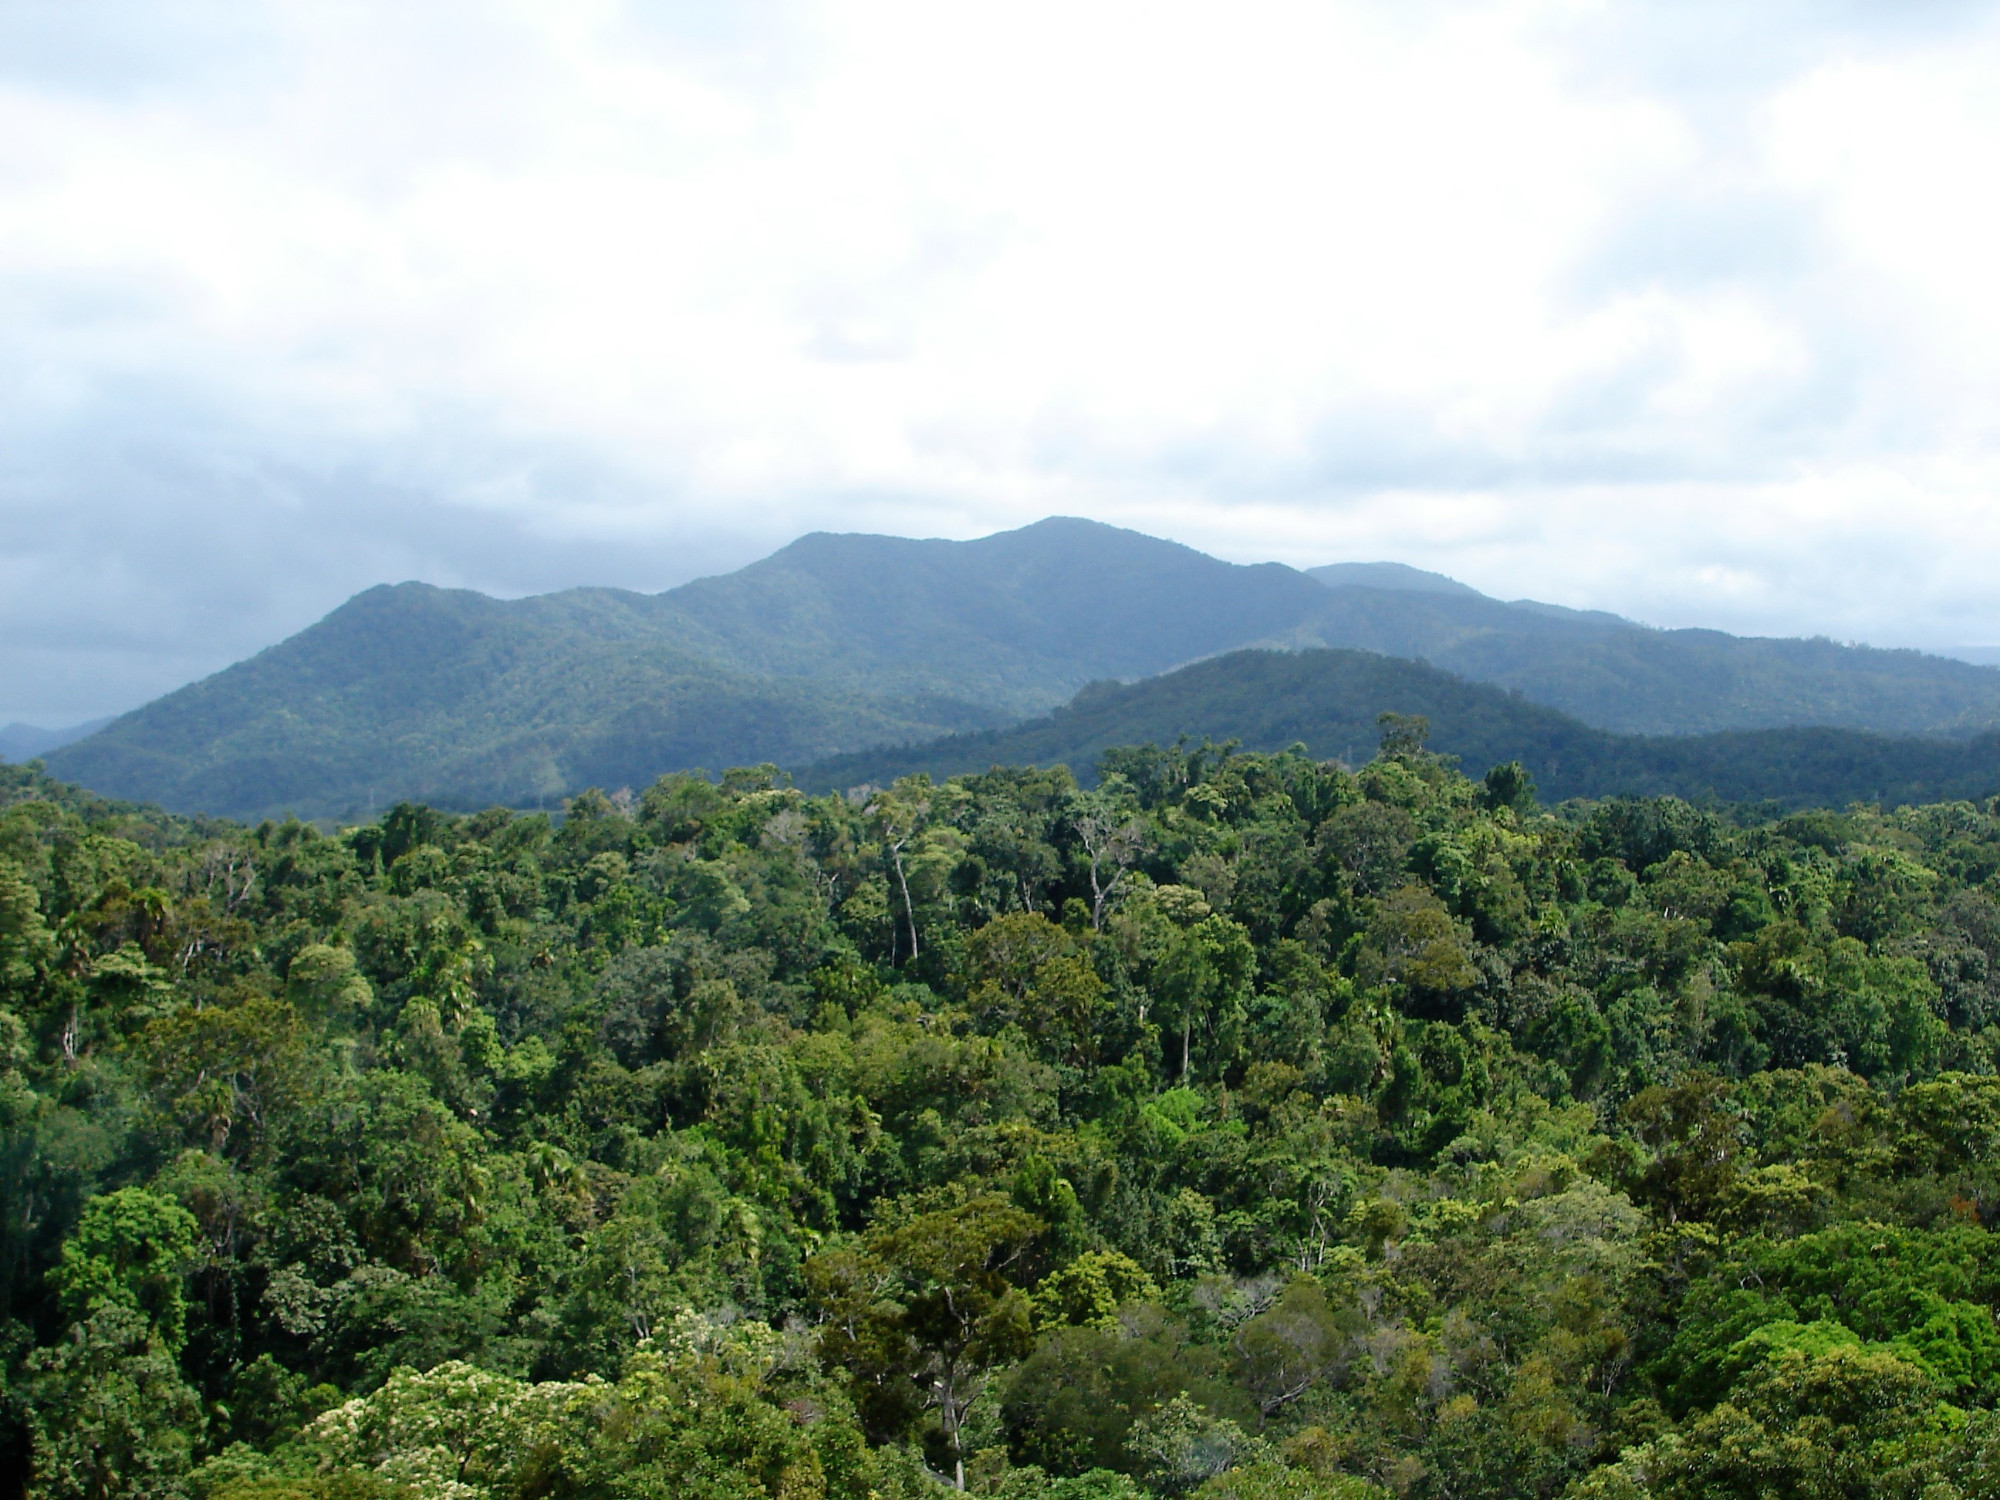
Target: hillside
1329, 700
1617, 675
453, 698
1389, 575
1017, 621
838, 643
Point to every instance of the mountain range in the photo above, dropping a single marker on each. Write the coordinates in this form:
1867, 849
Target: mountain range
839, 643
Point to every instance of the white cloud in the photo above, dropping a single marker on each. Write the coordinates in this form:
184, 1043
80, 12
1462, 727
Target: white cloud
1676, 309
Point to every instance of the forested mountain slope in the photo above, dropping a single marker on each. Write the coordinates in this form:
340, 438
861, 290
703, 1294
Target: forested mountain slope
1616, 675
448, 695
1249, 1129
1329, 701
1388, 575
836, 643
1016, 621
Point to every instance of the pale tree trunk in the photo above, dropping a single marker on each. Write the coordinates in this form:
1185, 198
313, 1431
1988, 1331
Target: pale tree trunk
909, 908
1105, 844
951, 1413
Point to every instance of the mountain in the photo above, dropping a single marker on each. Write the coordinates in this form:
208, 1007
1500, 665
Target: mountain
453, 698
1631, 678
837, 643
1985, 656
1329, 700
1017, 621
1389, 575
23, 742
833, 643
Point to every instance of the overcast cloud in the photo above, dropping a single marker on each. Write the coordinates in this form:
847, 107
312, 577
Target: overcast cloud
1686, 310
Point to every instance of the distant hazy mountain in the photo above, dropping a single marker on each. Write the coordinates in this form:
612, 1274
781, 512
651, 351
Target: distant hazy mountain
1389, 575
22, 742
1329, 700
836, 643
1014, 622
1616, 674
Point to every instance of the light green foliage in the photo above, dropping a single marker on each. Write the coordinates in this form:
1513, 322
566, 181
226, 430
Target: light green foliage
322, 978
1203, 981
1833, 1421
130, 1250
1180, 1447
1088, 1292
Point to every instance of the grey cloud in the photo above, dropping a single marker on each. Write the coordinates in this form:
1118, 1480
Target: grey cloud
148, 542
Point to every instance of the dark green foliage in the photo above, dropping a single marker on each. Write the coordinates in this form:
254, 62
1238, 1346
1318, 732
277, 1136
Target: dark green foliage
1245, 1126
1069, 1407
1330, 702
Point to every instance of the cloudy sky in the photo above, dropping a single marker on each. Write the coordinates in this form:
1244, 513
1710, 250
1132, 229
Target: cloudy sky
1688, 310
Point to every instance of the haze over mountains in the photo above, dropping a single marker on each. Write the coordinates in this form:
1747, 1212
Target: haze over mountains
841, 642
19, 742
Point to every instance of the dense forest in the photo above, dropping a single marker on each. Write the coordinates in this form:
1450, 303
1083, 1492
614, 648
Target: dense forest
1244, 1127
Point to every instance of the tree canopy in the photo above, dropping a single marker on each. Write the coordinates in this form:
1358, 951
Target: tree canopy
1242, 1126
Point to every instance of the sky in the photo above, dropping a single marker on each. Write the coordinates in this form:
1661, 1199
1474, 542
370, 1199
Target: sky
1686, 310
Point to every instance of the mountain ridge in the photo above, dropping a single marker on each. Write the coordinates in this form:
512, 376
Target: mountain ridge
1329, 701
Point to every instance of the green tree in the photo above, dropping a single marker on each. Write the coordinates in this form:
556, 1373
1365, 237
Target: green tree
1113, 842
932, 1300
1204, 982
1845, 1424
899, 817
1032, 975
1694, 1147
132, 1249
1286, 1349
453, 1429
113, 1419
26, 945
